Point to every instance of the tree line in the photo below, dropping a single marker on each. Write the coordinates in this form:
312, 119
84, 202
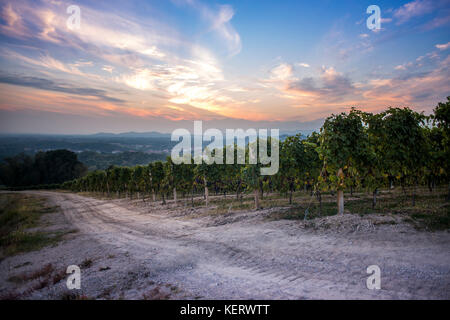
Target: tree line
45, 168
352, 150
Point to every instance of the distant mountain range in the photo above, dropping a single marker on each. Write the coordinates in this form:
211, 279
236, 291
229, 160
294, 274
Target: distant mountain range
153, 134
130, 134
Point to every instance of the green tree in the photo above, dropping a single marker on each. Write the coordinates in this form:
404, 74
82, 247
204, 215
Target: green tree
250, 175
375, 168
208, 174
293, 164
343, 147
441, 118
51, 167
173, 176
140, 180
157, 174
403, 145
314, 166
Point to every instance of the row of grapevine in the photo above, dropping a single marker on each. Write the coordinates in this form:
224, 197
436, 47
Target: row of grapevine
353, 150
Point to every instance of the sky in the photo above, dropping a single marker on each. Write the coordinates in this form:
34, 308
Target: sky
159, 65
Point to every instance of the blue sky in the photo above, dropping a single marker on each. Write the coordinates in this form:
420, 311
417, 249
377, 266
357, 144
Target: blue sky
159, 65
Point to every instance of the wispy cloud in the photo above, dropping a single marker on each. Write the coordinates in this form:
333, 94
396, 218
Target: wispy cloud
45, 84
443, 46
303, 64
282, 72
221, 23
332, 90
13, 22
440, 21
219, 19
413, 9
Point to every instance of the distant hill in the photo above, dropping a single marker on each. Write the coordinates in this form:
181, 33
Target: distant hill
131, 134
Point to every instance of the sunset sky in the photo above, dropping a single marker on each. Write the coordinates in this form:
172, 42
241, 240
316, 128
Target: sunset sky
159, 65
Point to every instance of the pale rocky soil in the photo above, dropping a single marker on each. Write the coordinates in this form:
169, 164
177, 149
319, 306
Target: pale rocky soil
178, 252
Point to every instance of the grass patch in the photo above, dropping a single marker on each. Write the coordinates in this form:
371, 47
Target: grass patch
18, 213
223, 206
43, 272
431, 211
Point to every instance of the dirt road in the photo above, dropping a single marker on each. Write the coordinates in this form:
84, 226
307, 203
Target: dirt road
248, 256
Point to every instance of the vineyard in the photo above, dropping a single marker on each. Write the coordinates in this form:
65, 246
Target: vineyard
353, 151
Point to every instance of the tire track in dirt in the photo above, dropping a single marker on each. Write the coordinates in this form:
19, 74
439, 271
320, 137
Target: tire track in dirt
317, 271
238, 258
274, 272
